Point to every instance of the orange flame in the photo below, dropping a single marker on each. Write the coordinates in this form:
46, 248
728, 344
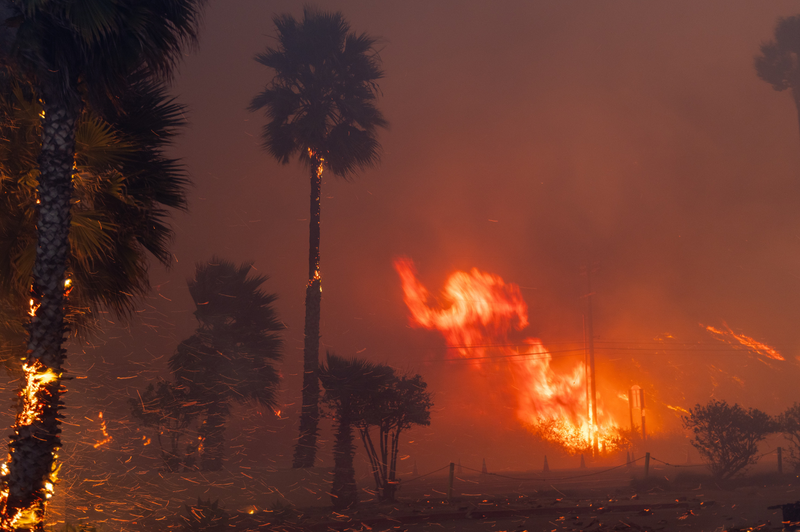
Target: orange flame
479, 311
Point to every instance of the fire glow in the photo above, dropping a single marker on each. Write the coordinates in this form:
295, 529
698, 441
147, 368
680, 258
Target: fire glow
479, 311
750, 343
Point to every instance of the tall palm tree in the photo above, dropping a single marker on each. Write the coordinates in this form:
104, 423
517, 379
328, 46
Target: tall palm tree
352, 387
68, 49
779, 62
321, 106
123, 187
230, 357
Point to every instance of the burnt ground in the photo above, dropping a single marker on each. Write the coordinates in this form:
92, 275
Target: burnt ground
565, 500
631, 506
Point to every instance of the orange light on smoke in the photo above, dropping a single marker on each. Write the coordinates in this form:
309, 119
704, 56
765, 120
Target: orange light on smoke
478, 311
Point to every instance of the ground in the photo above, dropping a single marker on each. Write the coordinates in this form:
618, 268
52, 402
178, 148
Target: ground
591, 500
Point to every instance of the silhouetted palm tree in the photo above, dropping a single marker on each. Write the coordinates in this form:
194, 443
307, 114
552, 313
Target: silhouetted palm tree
321, 106
352, 387
66, 50
779, 62
123, 186
230, 357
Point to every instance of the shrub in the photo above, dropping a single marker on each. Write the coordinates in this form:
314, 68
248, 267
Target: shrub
727, 436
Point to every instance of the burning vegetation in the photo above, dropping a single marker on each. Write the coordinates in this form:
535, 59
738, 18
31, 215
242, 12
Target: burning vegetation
477, 313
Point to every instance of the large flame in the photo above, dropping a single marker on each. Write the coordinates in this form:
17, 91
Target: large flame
477, 313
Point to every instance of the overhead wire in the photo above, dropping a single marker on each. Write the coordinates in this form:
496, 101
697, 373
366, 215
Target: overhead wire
563, 353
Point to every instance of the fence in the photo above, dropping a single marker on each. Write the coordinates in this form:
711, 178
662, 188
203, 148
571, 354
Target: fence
647, 458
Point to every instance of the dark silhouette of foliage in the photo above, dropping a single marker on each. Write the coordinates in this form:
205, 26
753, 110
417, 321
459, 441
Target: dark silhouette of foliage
165, 408
321, 108
779, 63
205, 516
401, 404
124, 186
231, 355
351, 388
789, 425
727, 436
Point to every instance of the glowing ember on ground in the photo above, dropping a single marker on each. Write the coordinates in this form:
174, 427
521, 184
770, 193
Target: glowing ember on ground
757, 347
477, 313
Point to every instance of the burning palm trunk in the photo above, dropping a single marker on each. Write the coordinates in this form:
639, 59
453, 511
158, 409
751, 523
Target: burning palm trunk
31, 470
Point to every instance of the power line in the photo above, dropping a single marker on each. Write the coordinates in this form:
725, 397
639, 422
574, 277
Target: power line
564, 353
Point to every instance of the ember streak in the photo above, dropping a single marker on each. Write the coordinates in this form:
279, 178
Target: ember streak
478, 312
730, 337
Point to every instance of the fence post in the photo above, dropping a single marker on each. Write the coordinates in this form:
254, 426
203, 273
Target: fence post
646, 464
780, 461
450, 483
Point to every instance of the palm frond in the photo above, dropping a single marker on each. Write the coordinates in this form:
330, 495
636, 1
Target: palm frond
231, 356
125, 186
321, 97
94, 20
98, 145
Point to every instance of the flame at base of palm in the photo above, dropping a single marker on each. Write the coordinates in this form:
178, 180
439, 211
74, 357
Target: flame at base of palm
478, 311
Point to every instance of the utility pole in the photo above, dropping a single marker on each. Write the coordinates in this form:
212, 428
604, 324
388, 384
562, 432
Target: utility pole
590, 337
586, 369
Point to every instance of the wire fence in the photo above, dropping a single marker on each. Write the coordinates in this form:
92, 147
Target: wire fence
549, 478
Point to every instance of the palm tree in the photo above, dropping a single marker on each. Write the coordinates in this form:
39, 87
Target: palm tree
69, 49
230, 357
321, 106
119, 204
351, 389
779, 62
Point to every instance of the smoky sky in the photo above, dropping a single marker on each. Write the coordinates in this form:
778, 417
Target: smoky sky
527, 139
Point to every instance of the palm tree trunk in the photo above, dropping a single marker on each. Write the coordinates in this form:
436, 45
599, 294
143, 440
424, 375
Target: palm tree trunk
344, 492
36, 438
306, 450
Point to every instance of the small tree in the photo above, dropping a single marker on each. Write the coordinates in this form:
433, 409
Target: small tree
166, 409
789, 425
397, 407
727, 436
352, 387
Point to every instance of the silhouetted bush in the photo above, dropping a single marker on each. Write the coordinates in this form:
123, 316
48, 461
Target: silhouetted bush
727, 436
